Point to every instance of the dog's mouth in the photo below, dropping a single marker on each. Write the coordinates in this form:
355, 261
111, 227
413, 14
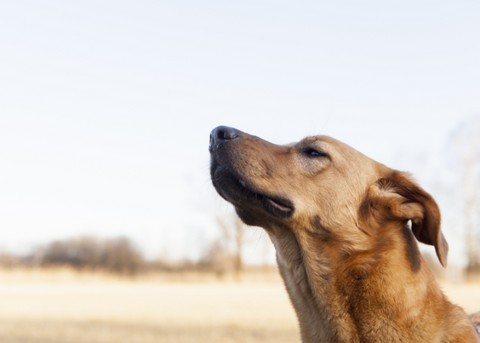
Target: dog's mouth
241, 193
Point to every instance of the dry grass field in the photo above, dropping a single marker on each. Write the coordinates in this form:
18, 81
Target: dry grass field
64, 307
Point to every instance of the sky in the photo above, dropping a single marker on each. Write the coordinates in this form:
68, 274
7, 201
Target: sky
106, 106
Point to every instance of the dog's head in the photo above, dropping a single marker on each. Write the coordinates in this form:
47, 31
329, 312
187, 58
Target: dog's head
322, 185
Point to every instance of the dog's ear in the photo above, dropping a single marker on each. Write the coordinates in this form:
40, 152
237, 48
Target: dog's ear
397, 198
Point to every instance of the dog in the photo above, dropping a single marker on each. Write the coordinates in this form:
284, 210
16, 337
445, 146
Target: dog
345, 229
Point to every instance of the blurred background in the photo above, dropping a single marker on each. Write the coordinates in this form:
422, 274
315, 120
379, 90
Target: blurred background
110, 230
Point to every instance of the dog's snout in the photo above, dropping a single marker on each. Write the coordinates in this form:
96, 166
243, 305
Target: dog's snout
221, 134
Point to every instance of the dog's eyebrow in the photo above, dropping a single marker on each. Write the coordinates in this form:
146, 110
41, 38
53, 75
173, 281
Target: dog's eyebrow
308, 140
311, 139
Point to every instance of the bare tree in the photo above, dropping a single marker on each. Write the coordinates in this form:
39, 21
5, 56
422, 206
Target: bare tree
466, 141
8, 260
115, 255
216, 259
232, 233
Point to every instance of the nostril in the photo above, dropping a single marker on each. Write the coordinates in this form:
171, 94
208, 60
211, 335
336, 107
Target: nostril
226, 133
221, 135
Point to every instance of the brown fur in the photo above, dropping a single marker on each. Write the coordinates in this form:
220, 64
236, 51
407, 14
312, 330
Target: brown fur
345, 250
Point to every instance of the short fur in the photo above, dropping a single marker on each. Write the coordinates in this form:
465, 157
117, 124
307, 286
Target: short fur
340, 225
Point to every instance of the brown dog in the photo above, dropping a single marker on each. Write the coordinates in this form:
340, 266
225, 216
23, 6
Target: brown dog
340, 225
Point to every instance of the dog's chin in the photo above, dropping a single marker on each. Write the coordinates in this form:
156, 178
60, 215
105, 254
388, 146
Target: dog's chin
245, 197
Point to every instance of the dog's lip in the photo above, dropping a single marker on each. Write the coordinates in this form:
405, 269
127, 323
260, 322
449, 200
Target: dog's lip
273, 204
279, 206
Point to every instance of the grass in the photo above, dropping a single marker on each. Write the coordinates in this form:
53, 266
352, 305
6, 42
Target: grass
63, 306
98, 332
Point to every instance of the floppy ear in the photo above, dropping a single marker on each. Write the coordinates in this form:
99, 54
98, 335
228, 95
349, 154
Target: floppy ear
397, 198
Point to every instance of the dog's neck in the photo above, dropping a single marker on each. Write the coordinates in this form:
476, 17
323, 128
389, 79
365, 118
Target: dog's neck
330, 300
307, 287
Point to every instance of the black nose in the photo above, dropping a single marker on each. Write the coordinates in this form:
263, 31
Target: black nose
221, 134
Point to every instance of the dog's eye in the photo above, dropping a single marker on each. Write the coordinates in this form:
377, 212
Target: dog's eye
314, 153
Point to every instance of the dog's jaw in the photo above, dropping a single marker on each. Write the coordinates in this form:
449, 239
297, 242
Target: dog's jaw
245, 195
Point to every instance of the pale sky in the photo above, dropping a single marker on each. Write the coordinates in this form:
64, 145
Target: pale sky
106, 106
